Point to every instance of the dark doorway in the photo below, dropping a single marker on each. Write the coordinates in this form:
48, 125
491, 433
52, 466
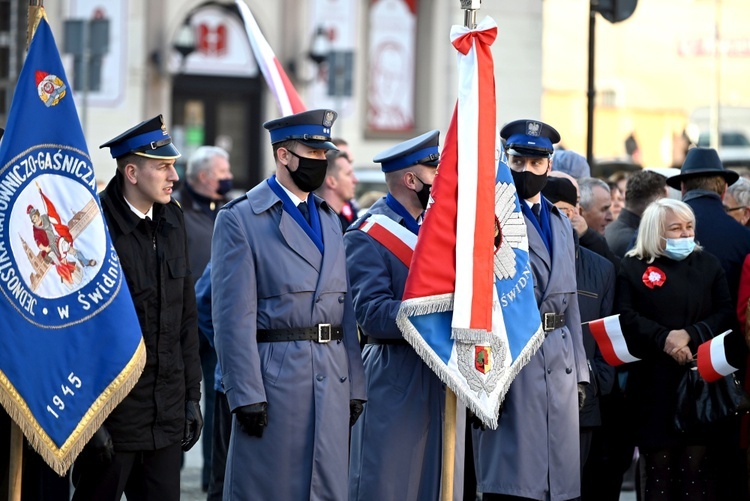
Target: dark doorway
220, 111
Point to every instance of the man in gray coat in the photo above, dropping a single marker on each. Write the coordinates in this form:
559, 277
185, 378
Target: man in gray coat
284, 326
396, 445
534, 453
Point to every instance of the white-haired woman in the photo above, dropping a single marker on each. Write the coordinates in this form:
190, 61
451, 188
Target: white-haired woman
665, 286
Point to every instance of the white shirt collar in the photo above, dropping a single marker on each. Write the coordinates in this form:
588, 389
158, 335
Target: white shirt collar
294, 198
149, 214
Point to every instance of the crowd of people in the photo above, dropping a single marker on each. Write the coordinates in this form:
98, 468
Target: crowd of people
285, 300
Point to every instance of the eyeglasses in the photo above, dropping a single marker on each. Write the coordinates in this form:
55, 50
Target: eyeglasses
732, 209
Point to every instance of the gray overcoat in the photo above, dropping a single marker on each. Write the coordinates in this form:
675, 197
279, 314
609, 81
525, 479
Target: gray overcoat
534, 453
268, 274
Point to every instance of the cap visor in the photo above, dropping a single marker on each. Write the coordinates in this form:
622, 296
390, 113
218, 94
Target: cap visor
318, 145
166, 151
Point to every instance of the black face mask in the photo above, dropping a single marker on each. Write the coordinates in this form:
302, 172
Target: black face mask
310, 173
424, 193
225, 186
528, 184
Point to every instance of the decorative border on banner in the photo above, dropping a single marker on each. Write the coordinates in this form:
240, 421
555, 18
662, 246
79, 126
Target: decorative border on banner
61, 459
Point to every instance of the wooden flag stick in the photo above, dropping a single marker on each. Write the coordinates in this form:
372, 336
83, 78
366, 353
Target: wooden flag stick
449, 446
16, 462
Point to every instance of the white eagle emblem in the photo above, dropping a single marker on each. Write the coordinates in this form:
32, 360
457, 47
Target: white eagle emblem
533, 128
510, 231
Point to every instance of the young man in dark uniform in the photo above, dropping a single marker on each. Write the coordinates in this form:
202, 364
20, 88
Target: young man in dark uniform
138, 449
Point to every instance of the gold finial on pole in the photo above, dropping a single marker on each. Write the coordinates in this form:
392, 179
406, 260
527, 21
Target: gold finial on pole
470, 8
36, 12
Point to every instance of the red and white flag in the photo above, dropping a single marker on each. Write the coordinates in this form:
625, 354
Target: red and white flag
468, 307
712, 359
608, 335
276, 78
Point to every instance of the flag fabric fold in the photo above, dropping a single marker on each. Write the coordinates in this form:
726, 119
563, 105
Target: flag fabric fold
712, 359
69, 336
608, 335
468, 308
286, 95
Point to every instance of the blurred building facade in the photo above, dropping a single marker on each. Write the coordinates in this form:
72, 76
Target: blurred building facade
392, 70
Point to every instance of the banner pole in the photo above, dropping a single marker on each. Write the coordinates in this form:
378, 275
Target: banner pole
36, 11
449, 446
15, 470
448, 473
16, 462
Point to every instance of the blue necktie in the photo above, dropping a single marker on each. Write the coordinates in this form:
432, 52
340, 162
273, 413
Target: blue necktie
536, 209
305, 211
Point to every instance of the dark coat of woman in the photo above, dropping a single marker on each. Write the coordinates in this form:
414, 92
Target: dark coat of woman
679, 294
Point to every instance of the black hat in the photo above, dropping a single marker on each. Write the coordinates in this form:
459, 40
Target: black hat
147, 139
702, 162
529, 138
560, 189
311, 128
421, 150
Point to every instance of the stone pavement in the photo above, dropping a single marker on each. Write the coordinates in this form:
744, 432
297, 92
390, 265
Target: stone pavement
190, 480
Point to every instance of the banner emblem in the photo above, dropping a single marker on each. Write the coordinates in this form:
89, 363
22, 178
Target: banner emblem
51, 89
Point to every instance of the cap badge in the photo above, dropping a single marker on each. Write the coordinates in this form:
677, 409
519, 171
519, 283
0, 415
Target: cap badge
328, 119
533, 128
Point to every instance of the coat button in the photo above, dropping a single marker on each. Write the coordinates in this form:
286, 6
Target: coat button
341, 299
320, 377
565, 301
342, 379
549, 371
319, 299
563, 336
568, 370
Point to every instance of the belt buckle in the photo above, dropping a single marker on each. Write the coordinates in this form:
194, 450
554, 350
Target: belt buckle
549, 322
324, 333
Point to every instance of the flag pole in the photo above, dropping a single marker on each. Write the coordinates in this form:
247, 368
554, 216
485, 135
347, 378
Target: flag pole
470, 8
16, 462
36, 12
15, 470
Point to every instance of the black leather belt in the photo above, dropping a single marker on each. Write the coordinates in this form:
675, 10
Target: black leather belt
552, 321
321, 333
374, 340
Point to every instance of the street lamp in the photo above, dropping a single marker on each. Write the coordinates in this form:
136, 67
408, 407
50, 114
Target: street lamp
184, 41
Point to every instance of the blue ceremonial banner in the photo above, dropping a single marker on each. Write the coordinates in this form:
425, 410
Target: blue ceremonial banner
69, 336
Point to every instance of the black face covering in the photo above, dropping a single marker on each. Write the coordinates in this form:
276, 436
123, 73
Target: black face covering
225, 186
310, 173
528, 184
424, 193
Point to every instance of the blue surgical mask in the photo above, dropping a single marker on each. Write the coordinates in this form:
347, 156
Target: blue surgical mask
679, 248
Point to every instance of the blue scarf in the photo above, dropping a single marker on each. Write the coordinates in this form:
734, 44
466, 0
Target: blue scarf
313, 230
409, 221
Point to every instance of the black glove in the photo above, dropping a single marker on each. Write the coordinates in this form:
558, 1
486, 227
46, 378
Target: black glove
193, 424
253, 418
101, 445
355, 409
581, 395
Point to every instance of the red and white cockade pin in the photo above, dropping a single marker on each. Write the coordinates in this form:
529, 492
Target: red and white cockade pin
653, 277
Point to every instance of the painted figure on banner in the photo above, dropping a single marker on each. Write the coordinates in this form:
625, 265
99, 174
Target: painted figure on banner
55, 241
